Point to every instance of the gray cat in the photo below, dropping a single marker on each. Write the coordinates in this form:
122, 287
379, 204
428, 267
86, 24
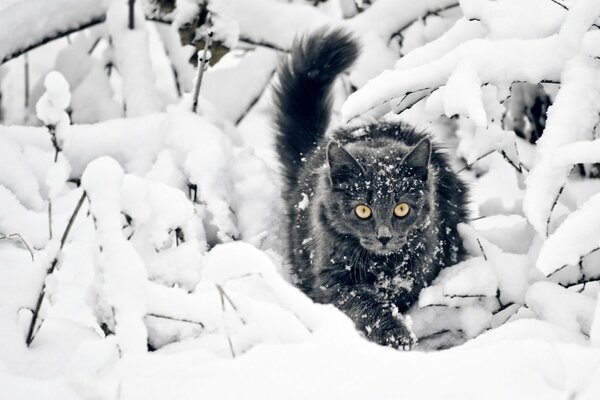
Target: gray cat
372, 210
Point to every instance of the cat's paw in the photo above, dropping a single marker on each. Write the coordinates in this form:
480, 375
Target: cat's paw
393, 334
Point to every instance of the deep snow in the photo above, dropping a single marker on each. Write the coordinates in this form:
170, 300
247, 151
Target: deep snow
171, 282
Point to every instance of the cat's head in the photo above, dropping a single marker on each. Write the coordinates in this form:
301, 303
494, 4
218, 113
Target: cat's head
379, 195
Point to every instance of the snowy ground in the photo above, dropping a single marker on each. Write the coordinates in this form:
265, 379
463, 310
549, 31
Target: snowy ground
170, 281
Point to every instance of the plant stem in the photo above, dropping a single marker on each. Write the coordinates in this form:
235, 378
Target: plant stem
131, 14
201, 68
40, 299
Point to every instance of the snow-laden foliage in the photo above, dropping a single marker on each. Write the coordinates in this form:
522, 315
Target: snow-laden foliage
140, 254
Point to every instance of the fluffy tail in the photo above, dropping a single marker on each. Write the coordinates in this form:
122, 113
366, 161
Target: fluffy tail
302, 95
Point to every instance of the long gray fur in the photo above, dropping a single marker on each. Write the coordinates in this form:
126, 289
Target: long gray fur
371, 269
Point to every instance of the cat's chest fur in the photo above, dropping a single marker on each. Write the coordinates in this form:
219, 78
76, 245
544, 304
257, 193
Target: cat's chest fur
325, 259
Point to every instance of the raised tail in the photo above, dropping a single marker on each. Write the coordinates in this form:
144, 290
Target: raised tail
302, 95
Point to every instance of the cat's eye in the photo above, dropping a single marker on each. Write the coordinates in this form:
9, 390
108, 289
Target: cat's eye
363, 211
401, 210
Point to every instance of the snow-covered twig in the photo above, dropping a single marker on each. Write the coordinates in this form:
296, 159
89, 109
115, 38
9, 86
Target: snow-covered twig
38, 305
433, 12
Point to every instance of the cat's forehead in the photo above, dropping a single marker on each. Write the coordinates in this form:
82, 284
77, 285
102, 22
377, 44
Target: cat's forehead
384, 172
382, 163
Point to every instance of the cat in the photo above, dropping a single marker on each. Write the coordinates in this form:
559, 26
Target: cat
373, 210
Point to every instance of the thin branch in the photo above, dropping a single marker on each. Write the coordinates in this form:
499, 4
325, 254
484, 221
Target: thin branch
231, 346
225, 296
517, 168
466, 296
50, 219
580, 259
567, 8
187, 321
201, 68
271, 46
93, 21
255, 100
482, 251
38, 305
57, 149
581, 281
26, 83
554, 205
9, 237
131, 24
469, 166
72, 220
429, 13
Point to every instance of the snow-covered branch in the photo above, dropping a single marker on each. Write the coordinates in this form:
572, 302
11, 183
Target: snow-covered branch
50, 20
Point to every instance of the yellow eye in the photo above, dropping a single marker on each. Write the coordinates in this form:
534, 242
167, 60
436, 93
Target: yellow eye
363, 211
401, 210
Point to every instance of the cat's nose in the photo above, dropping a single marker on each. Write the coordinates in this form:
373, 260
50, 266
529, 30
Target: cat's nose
384, 234
384, 239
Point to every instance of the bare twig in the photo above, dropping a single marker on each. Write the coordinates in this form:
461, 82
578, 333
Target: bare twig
469, 166
517, 168
26, 83
38, 305
582, 281
16, 235
567, 9
225, 296
482, 251
131, 14
429, 13
580, 259
187, 321
57, 149
251, 42
554, 205
50, 219
255, 100
231, 347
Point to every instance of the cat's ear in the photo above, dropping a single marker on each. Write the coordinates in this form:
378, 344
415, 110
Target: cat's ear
343, 167
419, 156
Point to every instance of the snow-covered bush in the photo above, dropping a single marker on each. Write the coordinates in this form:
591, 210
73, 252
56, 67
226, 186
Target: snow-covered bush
152, 227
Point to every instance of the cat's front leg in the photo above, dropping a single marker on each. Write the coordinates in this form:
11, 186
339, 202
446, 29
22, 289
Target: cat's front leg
371, 314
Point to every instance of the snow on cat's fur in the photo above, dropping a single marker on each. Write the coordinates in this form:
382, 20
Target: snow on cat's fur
373, 267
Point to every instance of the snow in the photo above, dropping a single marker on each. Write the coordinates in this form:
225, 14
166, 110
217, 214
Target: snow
51, 18
462, 31
555, 304
389, 16
525, 19
244, 87
369, 368
173, 282
570, 119
132, 60
120, 280
578, 235
257, 25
